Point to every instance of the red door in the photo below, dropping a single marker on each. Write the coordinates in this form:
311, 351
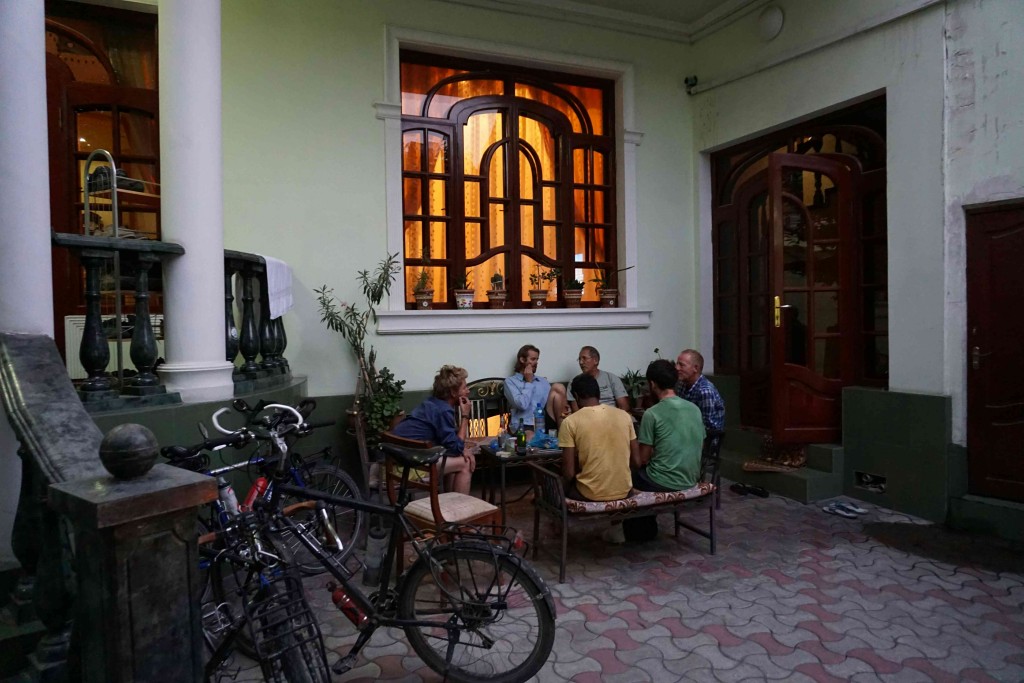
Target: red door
813, 320
995, 360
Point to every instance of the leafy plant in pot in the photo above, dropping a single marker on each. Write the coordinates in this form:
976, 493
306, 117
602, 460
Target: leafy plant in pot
635, 383
378, 393
609, 295
496, 294
541, 281
463, 291
423, 290
572, 290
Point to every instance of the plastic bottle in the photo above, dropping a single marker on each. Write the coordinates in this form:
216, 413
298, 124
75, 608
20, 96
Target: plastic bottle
259, 487
227, 496
538, 419
347, 606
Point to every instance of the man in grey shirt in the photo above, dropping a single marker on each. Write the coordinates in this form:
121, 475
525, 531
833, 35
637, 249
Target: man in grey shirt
612, 391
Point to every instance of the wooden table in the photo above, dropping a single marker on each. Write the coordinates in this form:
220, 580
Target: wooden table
490, 458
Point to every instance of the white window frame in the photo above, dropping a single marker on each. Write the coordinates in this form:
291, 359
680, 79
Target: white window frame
396, 319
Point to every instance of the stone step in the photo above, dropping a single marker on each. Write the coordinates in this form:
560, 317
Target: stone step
827, 457
804, 484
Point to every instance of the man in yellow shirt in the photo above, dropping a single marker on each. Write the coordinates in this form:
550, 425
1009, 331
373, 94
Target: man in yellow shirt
597, 442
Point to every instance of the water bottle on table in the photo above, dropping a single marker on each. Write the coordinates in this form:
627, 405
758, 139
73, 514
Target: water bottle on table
538, 419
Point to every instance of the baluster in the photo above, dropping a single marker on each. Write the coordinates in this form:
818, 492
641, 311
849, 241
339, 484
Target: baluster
94, 352
143, 347
282, 344
231, 330
268, 331
249, 342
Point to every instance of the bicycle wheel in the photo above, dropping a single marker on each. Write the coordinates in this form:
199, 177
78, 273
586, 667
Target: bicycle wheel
494, 621
346, 522
289, 645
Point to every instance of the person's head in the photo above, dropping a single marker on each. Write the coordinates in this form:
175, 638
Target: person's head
661, 374
689, 365
585, 389
528, 353
450, 383
588, 360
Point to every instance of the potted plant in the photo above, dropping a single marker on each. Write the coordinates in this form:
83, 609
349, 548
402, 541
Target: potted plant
463, 291
496, 294
609, 295
572, 290
541, 281
635, 383
422, 290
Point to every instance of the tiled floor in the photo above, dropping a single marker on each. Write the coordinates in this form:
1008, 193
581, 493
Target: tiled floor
793, 594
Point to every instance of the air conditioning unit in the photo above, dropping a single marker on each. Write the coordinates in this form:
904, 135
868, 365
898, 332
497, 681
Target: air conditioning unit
74, 327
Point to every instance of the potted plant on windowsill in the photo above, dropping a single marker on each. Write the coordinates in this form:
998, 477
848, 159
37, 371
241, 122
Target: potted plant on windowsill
572, 290
422, 290
463, 291
609, 295
541, 281
497, 294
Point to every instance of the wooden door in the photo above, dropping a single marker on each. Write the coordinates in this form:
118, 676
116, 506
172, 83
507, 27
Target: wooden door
995, 360
753, 233
814, 324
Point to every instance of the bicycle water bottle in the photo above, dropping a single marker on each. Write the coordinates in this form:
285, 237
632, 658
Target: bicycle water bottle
538, 419
347, 606
227, 496
259, 487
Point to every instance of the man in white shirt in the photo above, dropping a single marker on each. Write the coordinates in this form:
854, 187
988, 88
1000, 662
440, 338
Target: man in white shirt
613, 393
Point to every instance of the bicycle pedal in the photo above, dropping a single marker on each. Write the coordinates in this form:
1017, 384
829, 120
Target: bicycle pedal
344, 664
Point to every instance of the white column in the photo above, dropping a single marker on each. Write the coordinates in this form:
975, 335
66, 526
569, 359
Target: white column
192, 208
26, 284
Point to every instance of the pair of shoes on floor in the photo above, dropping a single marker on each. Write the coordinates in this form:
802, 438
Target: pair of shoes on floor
614, 534
844, 509
744, 489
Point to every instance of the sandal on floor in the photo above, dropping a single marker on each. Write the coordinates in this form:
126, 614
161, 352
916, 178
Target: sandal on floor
836, 509
739, 489
851, 507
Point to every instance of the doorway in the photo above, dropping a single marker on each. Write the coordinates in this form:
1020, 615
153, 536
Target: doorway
800, 269
995, 364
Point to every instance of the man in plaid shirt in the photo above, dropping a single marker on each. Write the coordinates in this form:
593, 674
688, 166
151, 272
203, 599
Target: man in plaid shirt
695, 388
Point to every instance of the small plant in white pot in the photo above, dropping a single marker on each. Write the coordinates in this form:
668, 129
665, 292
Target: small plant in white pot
572, 291
462, 288
497, 294
609, 295
541, 283
423, 290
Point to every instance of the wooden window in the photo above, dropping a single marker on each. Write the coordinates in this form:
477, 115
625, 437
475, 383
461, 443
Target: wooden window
505, 171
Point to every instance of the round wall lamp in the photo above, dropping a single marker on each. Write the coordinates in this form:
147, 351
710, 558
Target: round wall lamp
769, 23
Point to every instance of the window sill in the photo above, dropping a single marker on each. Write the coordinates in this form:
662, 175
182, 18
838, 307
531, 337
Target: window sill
488, 320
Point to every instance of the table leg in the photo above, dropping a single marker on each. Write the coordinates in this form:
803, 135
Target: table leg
501, 466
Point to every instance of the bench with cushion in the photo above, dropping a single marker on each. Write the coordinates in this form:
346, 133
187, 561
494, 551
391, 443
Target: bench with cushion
550, 499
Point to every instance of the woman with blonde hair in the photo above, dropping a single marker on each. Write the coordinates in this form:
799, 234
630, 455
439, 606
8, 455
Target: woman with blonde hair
434, 421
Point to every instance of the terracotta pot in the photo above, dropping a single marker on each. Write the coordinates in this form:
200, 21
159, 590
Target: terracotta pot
424, 299
609, 297
497, 297
538, 298
572, 297
464, 299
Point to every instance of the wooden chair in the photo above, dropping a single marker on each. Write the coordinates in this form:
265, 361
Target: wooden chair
436, 508
487, 401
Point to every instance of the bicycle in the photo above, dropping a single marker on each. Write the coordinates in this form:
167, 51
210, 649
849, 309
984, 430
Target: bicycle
471, 608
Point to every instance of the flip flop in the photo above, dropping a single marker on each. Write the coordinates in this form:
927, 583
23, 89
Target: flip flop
851, 507
757, 490
739, 489
834, 509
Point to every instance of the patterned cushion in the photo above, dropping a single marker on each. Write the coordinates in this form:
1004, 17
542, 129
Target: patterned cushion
640, 499
455, 507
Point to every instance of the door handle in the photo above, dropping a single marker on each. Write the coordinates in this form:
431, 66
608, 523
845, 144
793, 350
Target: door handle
778, 310
976, 356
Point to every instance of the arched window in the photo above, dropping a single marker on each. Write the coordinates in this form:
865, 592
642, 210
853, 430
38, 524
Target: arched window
505, 172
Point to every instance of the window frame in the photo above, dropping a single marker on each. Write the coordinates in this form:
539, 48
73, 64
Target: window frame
396, 319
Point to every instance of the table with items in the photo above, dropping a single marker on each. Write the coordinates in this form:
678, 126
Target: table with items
491, 456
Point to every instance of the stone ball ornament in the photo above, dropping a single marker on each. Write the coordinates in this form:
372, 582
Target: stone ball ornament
128, 451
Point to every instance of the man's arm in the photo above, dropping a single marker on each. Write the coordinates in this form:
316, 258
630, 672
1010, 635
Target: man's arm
622, 402
518, 393
638, 457
569, 464
634, 452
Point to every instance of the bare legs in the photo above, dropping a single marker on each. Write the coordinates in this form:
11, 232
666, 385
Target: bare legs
557, 402
458, 474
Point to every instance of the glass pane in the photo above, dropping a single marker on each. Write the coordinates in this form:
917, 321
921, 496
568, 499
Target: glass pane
757, 274
826, 265
438, 203
726, 274
875, 262
826, 357
527, 177
138, 134
826, 312
579, 166
539, 138
473, 245
758, 351
496, 173
412, 200
550, 241
412, 150
95, 130
728, 314
726, 232
526, 225
794, 318
757, 223
580, 251
413, 239
472, 198
481, 131
451, 94
757, 314
876, 310
550, 205
532, 92
496, 224
82, 62
593, 103
139, 224
581, 205
794, 245
599, 215
598, 237
145, 179
874, 215
416, 80
598, 173
726, 351
437, 153
438, 240
876, 356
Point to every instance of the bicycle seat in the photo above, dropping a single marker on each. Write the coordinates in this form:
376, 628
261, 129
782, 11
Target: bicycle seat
414, 457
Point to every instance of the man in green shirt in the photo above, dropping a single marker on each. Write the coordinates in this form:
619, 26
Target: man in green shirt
671, 436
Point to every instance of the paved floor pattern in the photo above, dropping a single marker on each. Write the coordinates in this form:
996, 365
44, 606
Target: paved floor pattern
793, 594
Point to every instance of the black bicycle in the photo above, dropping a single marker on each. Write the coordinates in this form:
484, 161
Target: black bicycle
472, 608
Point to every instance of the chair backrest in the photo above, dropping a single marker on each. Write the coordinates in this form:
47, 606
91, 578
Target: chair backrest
423, 479
710, 456
487, 401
